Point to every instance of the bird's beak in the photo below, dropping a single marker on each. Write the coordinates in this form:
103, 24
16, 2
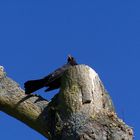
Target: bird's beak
69, 57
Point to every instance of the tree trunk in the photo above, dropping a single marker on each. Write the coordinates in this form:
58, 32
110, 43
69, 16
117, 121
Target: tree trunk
82, 110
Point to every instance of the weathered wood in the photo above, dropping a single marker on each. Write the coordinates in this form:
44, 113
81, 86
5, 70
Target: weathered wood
28, 109
82, 110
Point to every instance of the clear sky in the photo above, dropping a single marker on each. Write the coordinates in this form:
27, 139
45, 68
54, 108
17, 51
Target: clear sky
37, 35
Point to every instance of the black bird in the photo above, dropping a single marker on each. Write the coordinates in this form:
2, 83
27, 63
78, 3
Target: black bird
52, 81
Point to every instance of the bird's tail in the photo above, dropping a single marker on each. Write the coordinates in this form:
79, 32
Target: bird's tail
33, 85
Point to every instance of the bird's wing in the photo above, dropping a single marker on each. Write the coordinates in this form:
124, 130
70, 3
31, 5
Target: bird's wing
56, 74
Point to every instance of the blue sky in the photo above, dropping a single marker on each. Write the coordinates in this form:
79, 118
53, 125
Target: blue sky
37, 35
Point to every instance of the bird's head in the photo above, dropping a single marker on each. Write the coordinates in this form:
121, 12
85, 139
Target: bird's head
71, 60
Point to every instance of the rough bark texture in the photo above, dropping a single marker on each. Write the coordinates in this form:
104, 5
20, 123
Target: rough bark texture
82, 110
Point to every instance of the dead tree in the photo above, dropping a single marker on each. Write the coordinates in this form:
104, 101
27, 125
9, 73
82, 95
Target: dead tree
82, 110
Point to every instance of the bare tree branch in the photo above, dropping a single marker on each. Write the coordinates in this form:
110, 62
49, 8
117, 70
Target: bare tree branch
82, 110
27, 109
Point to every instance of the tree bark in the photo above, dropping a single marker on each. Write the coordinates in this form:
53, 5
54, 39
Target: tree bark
82, 110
